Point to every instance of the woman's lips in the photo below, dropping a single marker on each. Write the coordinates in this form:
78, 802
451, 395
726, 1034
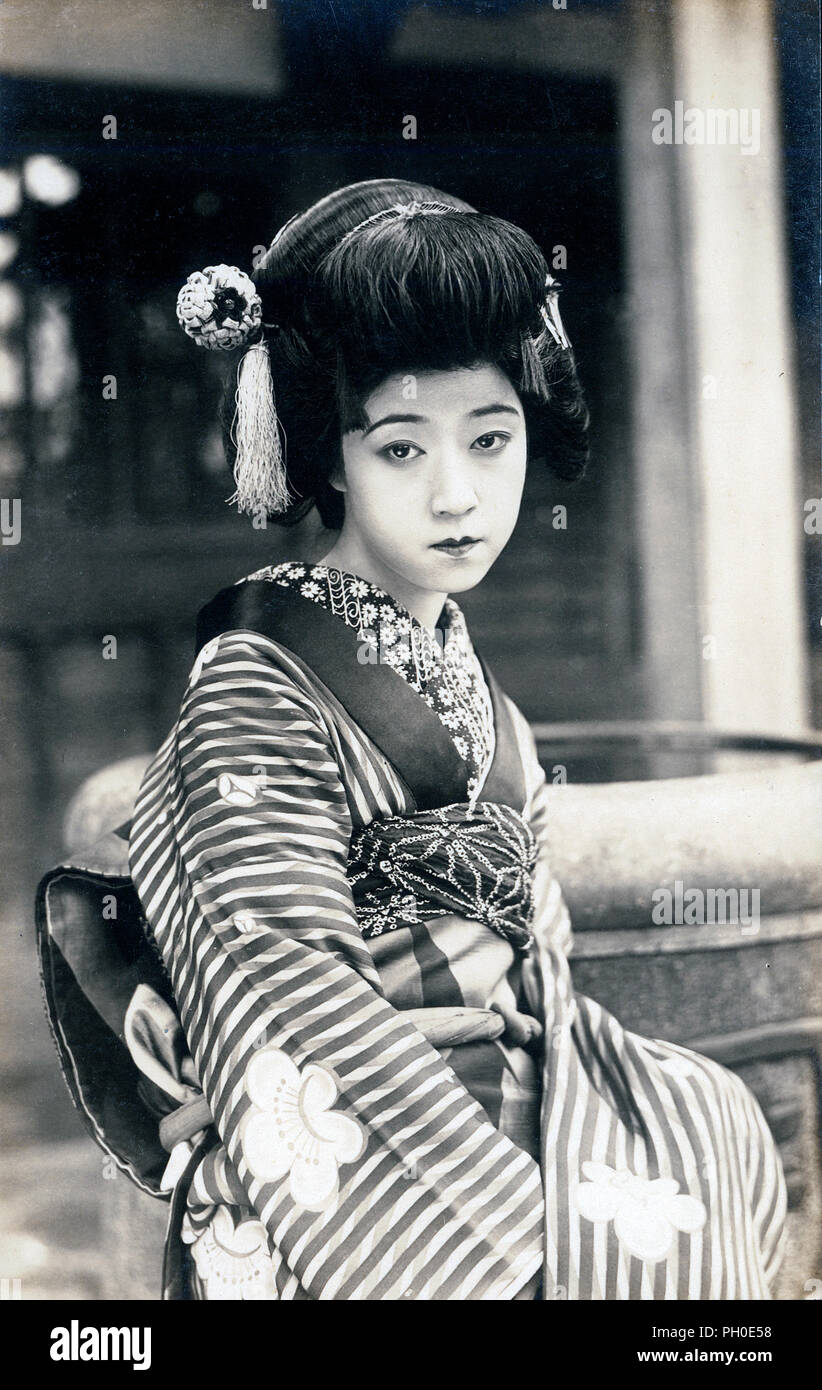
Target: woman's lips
456, 548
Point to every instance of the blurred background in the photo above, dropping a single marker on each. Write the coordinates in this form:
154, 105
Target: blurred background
141, 143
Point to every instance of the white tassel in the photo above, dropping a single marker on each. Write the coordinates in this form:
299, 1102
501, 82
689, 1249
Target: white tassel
259, 467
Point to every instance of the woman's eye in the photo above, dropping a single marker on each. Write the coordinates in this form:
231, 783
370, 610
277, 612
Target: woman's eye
401, 452
491, 443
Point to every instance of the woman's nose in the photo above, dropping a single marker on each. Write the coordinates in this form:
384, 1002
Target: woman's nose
453, 493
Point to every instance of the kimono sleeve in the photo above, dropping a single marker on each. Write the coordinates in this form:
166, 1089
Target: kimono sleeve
552, 921
374, 1171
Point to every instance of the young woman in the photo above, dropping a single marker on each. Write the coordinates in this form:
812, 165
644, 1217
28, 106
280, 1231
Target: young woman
380, 1084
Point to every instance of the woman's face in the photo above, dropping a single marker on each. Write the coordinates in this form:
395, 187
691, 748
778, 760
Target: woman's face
443, 458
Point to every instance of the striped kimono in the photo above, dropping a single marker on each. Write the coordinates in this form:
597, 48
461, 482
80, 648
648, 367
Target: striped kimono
405, 1099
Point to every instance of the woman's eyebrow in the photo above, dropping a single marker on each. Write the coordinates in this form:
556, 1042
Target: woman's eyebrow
494, 409
396, 420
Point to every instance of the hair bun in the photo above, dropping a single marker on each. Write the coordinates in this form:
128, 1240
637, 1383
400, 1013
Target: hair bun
219, 308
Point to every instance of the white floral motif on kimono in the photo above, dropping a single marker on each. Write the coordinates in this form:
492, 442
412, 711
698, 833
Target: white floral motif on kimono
292, 1129
646, 1212
233, 1261
238, 791
206, 655
678, 1066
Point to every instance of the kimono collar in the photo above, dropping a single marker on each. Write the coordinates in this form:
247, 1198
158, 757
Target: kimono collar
375, 696
412, 649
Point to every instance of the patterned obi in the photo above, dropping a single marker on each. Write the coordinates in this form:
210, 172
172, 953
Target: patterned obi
476, 862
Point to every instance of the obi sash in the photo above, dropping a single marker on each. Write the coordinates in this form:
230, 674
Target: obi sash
480, 864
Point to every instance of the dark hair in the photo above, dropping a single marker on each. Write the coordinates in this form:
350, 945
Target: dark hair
346, 305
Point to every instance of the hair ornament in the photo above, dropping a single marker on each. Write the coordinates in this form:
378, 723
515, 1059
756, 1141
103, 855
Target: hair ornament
259, 465
550, 312
220, 308
417, 208
400, 212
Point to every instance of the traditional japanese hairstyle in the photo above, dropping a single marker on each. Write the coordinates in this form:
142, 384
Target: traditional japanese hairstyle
379, 277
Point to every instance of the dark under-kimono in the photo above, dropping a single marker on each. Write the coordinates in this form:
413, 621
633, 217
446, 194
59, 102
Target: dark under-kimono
373, 1075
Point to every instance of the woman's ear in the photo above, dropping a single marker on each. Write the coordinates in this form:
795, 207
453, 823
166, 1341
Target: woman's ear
337, 475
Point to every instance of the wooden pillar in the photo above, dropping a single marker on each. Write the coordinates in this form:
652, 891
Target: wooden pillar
720, 510
666, 511
746, 459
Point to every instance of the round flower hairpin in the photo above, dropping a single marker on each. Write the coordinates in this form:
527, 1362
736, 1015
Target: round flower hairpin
220, 308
